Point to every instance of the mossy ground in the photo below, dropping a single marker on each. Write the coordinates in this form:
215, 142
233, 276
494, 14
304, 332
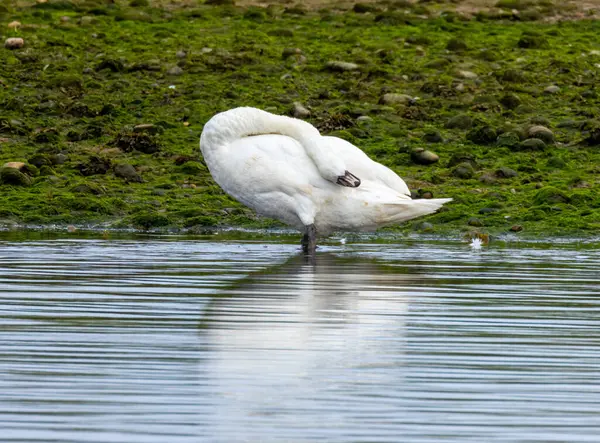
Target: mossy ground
91, 71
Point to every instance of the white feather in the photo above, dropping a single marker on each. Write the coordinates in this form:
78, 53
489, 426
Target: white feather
284, 169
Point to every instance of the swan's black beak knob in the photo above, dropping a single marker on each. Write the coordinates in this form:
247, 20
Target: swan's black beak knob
348, 179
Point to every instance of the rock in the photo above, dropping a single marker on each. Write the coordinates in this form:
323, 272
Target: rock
14, 24
433, 137
299, 111
14, 43
484, 211
12, 176
58, 159
464, 171
127, 172
516, 228
421, 156
423, 226
460, 121
550, 195
512, 75
181, 54
530, 40
594, 138
488, 178
532, 144
508, 139
39, 160
15, 165
363, 119
85, 188
147, 127
392, 98
459, 158
289, 52
337, 66
438, 63
175, 70
94, 166
556, 163
474, 221
542, 133
483, 135
466, 74
423, 193
510, 101
504, 172
552, 89
456, 45
140, 141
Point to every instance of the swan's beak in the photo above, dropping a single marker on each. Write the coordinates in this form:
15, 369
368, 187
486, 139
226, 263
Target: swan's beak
348, 179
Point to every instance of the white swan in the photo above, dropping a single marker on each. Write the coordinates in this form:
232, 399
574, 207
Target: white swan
285, 169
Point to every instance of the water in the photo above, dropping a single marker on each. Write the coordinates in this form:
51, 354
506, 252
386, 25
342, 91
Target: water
189, 341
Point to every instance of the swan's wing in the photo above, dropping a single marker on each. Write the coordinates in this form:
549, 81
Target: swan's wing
360, 164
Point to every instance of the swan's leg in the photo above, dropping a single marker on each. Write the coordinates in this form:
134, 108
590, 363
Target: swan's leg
309, 240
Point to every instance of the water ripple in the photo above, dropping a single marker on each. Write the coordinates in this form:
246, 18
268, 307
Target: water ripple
187, 341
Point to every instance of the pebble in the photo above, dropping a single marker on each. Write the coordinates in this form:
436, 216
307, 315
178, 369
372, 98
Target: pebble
516, 228
299, 111
552, 89
467, 74
181, 54
175, 70
421, 156
392, 98
541, 132
14, 43
341, 66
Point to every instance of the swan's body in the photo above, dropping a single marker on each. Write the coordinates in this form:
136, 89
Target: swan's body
284, 169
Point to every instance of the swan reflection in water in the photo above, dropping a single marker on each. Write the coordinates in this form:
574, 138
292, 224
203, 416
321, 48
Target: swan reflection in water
287, 341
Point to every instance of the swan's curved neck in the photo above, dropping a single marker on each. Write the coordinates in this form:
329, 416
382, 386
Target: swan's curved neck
229, 126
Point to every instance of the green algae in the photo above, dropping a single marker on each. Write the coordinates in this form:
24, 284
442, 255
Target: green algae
73, 95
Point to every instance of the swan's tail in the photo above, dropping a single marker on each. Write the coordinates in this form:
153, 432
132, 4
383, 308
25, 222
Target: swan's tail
402, 210
229, 126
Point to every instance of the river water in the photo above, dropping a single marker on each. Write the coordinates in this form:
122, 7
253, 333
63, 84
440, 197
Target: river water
162, 340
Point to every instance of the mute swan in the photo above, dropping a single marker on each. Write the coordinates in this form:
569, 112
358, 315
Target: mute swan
285, 169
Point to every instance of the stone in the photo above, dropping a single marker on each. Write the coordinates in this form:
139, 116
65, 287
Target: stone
593, 138
466, 74
421, 156
127, 172
289, 52
550, 195
13, 176
433, 137
552, 89
58, 159
483, 135
542, 133
147, 127
556, 162
175, 70
460, 121
94, 166
392, 98
504, 172
516, 228
532, 144
474, 221
15, 24
14, 43
423, 226
299, 111
508, 139
459, 158
510, 101
464, 171
456, 45
484, 211
488, 178
338, 66
181, 54
15, 165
